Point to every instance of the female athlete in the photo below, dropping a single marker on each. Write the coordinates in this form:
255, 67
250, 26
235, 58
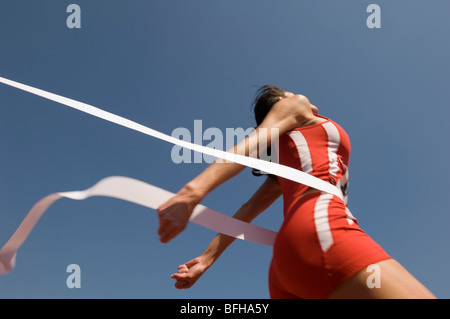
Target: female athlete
320, 251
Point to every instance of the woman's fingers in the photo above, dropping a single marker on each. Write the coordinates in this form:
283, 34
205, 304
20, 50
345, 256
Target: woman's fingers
188, 273
168, 228
193, 262
183, 280
182, 269
180, 276
173, 217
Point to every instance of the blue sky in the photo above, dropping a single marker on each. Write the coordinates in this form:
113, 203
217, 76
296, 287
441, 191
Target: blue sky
166, 64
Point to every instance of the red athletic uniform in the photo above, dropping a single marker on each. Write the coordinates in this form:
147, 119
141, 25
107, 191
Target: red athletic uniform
319, 245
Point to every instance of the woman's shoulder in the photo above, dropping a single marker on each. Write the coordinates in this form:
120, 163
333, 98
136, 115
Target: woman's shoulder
314, 122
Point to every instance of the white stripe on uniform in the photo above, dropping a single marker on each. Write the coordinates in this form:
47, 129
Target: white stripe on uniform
321, 221
334, 140
303, 151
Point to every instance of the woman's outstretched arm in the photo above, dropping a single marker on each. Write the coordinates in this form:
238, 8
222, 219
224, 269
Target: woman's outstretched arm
191, 271
285, 115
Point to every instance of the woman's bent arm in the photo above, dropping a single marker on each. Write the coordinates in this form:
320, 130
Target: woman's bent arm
191, 271
285, 115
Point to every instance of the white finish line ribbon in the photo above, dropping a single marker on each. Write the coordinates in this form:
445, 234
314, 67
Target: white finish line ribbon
264, 166
140, 193
134, 191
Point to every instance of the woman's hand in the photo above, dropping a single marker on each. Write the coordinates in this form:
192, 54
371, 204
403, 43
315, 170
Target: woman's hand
174, 214
190, 272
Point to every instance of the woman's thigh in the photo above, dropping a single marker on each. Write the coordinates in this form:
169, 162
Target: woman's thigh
395, 282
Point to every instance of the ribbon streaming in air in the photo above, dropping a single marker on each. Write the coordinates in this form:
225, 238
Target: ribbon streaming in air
140, 193
264, 166
149, 195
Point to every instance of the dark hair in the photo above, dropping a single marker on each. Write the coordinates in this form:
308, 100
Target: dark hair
266, 96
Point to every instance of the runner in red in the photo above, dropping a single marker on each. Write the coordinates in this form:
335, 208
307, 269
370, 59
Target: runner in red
320, 251
320, 244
